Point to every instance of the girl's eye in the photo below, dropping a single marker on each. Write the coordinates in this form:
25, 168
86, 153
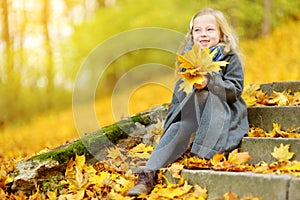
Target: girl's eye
196, 30
210, 29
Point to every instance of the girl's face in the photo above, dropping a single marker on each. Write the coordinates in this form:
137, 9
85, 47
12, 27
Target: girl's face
206, 31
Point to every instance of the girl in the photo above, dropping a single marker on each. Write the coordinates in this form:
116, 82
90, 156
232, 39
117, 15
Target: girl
212, 118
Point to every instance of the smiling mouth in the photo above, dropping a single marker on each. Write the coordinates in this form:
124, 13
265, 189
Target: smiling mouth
204, 42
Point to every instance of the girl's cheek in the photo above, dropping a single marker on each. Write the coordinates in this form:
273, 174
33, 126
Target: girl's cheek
196, 36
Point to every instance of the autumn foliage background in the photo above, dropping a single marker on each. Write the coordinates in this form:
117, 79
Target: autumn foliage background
43, 44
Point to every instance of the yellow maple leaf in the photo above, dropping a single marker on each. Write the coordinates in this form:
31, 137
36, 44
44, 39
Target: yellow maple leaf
239, 158
8, 179
76, 195
101, 178
282, 153
277, 132
294, 168
261, 167
296, 99
52, 195
200, 192
173, 190
216, 159
114, 153
123, 185
196, 63
70, 170
80, 161
249, 94
175, 169
186, 86
230, 196
80, 180
196, 162
278, 98
142, 148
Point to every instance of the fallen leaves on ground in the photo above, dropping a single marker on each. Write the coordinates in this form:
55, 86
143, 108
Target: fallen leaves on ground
254, 96
175, 170
111, 178
276, 132
238, 162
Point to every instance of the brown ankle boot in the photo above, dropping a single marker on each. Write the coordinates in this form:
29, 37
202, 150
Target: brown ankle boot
144, 184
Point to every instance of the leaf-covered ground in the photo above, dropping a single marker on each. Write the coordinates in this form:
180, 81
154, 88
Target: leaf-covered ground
254, 96
111, 178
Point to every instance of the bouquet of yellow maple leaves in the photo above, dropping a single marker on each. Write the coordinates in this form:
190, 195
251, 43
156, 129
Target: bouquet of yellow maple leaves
195, 64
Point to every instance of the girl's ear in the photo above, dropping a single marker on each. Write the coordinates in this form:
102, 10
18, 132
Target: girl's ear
222, 37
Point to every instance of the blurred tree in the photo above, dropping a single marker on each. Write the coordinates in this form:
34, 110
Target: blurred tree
9, 69
38, 63
10, 80
266, 24
49, 54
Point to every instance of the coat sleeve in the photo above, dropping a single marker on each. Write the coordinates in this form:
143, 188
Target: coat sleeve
229, 83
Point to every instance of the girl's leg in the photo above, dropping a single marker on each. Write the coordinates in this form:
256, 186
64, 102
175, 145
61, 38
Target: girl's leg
176, 139
172, 145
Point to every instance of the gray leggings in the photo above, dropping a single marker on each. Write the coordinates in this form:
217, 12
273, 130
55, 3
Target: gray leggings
176, 139
171, 146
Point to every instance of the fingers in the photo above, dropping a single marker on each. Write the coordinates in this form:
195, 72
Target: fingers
203, 84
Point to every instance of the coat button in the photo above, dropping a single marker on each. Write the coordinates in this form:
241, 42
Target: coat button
217, 89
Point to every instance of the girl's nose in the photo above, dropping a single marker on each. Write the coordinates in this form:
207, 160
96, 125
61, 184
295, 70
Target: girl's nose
203, 33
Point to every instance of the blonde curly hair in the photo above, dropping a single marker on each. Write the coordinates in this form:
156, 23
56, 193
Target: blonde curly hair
229, 38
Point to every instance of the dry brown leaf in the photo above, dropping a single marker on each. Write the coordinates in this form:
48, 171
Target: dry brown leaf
278, 98
249, 94
175, 169
230, 196
253, 96
239, 158
142, 148
200, 192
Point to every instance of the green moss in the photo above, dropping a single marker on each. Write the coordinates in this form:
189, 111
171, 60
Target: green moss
63, 155
92, 143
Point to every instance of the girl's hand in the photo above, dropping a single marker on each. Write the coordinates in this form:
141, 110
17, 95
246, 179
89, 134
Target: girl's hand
203, 85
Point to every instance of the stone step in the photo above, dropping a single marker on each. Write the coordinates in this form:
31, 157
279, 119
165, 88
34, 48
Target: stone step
264, 117
244, 184
261, 148
286, 116
250, 184
280, 86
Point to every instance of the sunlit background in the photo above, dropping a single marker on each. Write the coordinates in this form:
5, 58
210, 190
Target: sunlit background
44, 42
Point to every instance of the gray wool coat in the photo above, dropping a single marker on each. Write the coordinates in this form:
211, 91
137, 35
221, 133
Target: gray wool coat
221, 116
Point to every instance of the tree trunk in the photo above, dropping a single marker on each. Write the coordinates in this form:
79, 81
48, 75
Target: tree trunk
49, 50
8, 41
266, 24
93, 145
